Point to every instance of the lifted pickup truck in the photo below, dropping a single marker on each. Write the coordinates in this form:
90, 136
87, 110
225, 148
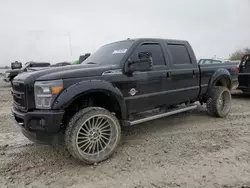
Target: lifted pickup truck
122, 83
244, 74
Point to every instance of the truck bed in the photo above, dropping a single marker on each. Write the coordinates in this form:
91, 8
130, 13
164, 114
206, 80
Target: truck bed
207, 70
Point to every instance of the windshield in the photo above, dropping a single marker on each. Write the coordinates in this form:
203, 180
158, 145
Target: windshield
110, 54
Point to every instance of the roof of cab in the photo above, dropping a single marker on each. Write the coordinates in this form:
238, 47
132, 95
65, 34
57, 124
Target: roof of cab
161, 39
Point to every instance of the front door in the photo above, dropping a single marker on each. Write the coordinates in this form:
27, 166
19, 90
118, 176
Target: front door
145, 95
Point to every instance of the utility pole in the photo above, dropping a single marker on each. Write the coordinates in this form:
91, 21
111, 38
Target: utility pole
70, 45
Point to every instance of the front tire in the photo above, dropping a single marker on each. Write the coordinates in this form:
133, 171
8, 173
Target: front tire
92, 135
219, 102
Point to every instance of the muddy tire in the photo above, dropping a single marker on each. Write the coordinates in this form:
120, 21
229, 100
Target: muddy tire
92, 135
219, 102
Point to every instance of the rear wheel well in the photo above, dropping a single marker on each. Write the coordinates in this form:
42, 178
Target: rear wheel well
93, 99
223, 81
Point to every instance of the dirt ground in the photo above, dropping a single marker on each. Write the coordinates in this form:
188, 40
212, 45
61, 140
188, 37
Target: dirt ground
191, 149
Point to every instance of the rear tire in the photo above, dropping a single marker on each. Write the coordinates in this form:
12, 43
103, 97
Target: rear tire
92, 135
219, 102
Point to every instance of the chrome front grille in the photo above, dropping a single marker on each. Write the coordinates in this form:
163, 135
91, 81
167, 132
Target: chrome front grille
18, 93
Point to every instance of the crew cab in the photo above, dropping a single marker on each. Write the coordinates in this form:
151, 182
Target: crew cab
244, 74
123, 83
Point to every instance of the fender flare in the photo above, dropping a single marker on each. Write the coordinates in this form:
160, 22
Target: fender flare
217, 75
67, 96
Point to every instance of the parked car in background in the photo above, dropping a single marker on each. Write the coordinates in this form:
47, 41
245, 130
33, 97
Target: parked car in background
244, 74
217, 61
16, 65
237, 62
210, 61
9, 75
81, 59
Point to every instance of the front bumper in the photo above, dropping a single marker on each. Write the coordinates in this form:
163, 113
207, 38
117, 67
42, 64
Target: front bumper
39, 125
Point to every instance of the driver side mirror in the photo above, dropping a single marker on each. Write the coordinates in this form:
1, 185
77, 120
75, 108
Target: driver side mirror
143, 62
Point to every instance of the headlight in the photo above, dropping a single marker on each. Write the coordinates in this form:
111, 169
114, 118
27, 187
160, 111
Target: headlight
46, 92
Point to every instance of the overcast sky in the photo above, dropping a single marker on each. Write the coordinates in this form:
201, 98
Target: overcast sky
39, 30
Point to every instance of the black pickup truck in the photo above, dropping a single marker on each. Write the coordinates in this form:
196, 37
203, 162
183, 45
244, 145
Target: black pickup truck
244, 74
122, 83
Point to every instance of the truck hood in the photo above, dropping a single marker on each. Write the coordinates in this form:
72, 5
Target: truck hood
66, 72
36, 68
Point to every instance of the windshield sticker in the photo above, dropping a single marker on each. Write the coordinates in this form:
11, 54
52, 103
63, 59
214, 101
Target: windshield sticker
121, 51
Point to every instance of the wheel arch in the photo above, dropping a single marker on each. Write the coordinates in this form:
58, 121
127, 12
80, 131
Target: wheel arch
221, 77
88, 88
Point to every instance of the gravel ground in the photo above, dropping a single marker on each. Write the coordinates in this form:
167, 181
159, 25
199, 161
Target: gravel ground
187, 150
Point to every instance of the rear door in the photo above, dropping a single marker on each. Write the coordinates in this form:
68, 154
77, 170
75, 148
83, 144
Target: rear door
182, 78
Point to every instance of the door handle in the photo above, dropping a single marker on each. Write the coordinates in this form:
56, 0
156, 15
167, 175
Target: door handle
168, 75
194, 74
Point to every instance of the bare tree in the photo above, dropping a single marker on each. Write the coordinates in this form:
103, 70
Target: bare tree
237, 55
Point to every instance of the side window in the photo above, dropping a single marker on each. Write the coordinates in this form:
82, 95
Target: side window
201, 62
179, 54
156, 51
207, 61
216, 62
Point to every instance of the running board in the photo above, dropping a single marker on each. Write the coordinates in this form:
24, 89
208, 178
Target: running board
172, 112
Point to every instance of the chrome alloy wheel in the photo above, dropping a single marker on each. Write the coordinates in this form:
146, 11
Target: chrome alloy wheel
94, 135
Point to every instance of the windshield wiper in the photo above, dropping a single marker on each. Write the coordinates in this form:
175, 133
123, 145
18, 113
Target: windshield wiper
91, 63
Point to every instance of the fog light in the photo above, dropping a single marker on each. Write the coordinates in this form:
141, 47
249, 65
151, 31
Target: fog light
42, 122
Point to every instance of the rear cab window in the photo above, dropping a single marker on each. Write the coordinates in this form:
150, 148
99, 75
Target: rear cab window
179, 55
